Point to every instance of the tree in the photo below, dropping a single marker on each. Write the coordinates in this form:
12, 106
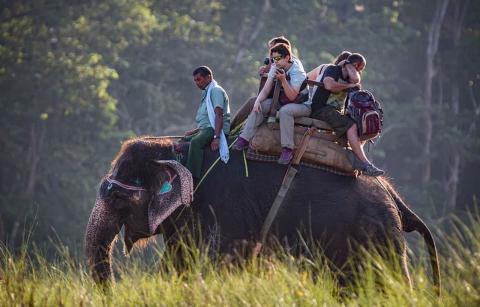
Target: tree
58, 116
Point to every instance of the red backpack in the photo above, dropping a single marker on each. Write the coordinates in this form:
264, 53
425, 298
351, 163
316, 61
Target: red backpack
366, 112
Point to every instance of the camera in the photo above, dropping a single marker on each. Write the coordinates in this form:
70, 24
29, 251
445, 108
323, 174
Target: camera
267, 61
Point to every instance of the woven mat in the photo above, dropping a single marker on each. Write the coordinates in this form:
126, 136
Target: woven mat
254, 155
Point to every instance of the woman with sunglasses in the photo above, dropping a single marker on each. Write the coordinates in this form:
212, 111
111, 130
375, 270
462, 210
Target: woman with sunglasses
283, 65
265, 68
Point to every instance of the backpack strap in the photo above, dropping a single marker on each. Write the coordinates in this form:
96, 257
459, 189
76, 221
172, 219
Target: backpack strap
272, 114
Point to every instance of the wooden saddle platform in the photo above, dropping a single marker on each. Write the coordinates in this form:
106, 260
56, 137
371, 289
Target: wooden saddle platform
323, 147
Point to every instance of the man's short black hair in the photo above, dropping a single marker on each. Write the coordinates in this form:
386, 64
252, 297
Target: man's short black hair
356, 58
203, 71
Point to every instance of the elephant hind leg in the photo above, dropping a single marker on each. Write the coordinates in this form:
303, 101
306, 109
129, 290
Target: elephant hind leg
400, 254
404, 266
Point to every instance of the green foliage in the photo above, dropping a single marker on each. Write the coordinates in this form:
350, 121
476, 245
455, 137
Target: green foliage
60, 117
78, 78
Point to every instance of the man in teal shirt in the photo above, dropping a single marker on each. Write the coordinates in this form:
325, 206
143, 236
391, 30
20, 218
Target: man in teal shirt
206, 133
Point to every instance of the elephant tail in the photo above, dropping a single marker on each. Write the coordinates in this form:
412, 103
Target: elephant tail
412, 222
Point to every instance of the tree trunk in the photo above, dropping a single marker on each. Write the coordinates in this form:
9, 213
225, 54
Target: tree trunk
33, 158
2, 232
244, 40
13, 235
476, 110
451, 186
453, 167
432, 48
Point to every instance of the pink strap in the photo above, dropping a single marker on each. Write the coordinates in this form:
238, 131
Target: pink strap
134, 188
170, 175
125, 186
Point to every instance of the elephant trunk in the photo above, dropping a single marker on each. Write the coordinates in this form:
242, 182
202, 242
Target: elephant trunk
103, 226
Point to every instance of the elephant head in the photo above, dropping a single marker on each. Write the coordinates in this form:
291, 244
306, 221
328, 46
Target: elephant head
143, 188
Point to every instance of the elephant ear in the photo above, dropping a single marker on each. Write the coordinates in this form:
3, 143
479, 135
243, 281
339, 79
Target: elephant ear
170, 195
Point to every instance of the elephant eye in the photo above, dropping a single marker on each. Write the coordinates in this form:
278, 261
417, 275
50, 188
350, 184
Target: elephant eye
166, 187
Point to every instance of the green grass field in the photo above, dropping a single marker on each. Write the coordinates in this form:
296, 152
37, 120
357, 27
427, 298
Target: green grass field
27, 280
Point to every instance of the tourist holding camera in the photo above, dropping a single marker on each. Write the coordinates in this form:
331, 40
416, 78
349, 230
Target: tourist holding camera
290, 73
267, 62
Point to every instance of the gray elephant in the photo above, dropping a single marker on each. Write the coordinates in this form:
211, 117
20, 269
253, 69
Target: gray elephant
148, 193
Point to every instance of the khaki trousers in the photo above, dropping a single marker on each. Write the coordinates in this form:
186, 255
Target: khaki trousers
287, 114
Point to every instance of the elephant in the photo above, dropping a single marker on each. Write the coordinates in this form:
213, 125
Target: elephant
148, 192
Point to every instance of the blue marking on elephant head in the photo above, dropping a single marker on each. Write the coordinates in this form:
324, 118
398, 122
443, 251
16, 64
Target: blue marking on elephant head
166, 187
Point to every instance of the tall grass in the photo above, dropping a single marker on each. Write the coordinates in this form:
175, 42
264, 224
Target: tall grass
280, 280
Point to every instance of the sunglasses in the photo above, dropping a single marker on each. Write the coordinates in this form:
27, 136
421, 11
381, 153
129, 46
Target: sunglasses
277, 58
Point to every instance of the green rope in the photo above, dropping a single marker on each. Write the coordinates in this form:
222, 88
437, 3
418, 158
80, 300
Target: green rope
211, 167
237, 128
245, 163
232, 132
216, 161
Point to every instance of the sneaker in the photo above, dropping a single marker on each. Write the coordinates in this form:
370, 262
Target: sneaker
241, 144
286, 156
371, 170
357, 164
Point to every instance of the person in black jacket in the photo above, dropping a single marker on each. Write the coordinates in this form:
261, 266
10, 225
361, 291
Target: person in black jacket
328, 104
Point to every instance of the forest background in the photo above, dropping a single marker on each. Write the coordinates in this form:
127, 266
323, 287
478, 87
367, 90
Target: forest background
79, 77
